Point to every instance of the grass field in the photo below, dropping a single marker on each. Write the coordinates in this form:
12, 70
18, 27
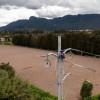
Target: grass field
30, 66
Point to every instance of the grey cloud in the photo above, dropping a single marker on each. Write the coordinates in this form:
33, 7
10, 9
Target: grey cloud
12, 2
45, 8
7, 7
36, 4
21, 3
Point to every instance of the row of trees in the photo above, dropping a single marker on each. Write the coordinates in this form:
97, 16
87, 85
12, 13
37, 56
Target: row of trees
89, 42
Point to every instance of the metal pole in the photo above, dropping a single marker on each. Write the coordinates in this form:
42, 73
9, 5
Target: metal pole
59, 70
60, 76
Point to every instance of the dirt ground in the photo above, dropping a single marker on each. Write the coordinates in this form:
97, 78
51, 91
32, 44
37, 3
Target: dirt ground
29, 65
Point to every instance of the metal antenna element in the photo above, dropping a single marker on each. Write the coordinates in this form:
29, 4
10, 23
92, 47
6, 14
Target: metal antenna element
60, 76
80, 66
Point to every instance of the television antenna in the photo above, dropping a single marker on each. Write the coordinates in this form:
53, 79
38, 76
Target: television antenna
60, 75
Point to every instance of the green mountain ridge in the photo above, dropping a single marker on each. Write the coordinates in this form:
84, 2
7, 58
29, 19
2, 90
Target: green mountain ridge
68, 22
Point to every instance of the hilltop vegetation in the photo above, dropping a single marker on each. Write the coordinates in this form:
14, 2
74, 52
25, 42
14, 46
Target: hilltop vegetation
13, 88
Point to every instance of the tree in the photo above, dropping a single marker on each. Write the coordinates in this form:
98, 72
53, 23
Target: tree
86, 90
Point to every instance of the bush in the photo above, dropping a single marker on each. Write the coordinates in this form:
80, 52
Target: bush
97, 97
86, 90
40, 94
13, 88
8, 68
88, 98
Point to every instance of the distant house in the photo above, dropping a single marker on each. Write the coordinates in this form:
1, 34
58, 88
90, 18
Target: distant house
2, 39
5, 38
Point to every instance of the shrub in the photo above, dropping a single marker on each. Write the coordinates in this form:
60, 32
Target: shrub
13, 88
97, 97
8, 68
86, 90
88, 98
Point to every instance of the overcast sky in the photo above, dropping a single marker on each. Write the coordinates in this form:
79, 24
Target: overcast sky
12, 10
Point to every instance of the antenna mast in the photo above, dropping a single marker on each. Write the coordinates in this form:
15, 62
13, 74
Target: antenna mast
60, 76
59, 71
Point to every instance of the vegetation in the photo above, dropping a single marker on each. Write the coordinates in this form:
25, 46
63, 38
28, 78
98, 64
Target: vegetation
86, 92
85, 41
97, 97
69, 22
13, 88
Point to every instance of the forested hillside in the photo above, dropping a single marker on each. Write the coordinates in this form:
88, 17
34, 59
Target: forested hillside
68, 22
